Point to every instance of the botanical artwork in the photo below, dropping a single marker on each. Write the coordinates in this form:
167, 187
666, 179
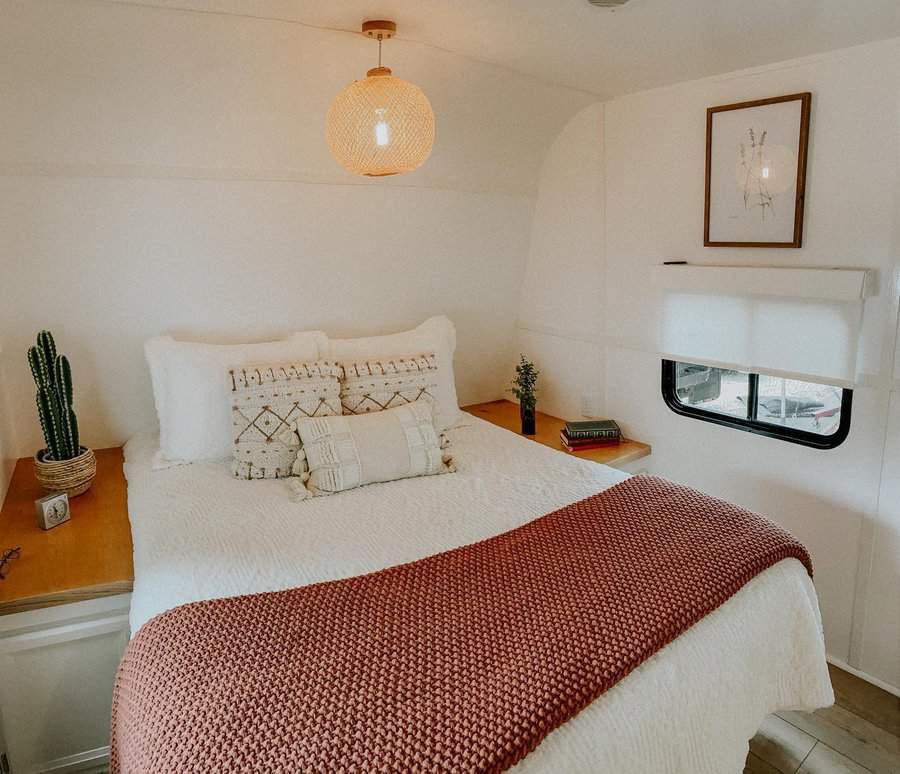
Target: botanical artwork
754, 152
753, 175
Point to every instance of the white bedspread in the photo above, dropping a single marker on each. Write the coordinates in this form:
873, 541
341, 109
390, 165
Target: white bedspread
200, 534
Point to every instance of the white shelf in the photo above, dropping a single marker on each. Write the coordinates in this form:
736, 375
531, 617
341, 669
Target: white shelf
831, 284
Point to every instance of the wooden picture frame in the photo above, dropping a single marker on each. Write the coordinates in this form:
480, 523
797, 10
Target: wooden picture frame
746, 190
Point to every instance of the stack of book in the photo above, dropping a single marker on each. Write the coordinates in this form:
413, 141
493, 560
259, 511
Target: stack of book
589, 434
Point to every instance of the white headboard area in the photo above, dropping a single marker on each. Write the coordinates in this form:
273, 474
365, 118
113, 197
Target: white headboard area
166, 171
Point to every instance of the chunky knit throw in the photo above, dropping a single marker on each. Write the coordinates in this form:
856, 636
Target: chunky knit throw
462, 662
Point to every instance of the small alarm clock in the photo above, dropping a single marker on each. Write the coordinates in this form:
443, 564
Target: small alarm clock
52, 510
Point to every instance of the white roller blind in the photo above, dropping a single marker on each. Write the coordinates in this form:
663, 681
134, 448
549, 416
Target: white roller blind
800, 323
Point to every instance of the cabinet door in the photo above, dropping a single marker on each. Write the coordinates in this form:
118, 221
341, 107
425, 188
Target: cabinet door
57, 668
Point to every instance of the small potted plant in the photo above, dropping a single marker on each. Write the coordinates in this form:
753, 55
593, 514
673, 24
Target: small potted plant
64, 465
525, 389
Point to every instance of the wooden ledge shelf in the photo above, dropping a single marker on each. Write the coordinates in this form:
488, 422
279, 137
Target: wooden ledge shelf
505, 413
87, 557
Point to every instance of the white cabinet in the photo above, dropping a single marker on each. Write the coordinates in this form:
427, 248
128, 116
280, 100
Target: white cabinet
57, 668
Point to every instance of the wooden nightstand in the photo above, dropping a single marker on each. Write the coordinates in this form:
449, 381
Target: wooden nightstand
85, 558
505, 413
64, 608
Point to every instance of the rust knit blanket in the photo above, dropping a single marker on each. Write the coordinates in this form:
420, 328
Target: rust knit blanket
463, 661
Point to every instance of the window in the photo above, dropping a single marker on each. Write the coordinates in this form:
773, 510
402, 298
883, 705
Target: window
816, 415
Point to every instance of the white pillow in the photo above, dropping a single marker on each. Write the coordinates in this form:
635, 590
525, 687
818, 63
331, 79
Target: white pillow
191, 390
436, 334
344, 452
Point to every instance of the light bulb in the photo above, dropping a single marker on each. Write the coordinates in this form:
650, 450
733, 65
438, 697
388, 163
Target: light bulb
382, 131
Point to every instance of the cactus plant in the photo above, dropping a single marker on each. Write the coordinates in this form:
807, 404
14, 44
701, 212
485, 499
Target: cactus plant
53, 379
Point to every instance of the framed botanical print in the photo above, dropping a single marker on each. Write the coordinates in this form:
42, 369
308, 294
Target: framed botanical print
756, 172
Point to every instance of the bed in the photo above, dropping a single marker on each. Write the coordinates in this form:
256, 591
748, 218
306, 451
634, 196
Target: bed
200, 534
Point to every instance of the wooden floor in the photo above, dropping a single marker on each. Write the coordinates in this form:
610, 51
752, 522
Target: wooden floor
860, 734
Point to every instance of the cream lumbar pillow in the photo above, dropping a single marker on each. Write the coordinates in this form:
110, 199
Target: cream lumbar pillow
377, 385
266, 403
354, 450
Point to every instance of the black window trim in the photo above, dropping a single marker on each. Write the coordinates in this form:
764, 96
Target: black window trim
751, 424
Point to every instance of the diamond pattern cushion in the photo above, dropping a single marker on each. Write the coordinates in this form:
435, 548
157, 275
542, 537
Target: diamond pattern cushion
436, 334
388, 382
266, 402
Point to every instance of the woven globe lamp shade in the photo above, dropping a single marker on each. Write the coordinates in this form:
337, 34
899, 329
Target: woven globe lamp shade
380, 126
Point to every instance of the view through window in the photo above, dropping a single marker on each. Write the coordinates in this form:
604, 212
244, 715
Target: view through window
804, 412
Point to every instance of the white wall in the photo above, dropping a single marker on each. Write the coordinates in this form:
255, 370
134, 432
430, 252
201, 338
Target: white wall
166, 171
7, 442
842, 503
561, 312
876, 633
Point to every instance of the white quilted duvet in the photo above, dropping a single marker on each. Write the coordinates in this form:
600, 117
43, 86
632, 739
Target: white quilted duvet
200, 534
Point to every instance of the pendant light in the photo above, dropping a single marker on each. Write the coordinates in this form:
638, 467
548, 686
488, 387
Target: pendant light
382, 125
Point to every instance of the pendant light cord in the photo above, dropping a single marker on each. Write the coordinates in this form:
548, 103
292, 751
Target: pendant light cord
379, 50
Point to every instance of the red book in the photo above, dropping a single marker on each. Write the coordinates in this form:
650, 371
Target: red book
577, 442
593, 444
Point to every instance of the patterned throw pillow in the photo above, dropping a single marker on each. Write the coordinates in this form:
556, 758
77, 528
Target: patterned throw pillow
266, 402
388, 382
350, 451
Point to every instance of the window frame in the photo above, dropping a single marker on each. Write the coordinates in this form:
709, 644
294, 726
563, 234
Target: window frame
751, 424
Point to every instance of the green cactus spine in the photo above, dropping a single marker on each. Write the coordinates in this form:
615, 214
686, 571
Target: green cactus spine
47, 401
53, 378
48, 411
62, 373
76, 440
47, 346
39, 368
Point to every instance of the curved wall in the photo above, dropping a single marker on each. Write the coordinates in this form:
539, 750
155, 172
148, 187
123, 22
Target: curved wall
842, 503
561, 312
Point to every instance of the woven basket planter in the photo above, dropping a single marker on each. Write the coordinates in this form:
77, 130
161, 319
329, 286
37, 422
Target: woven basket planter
74, 476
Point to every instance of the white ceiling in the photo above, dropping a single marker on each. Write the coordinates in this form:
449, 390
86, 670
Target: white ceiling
644, 44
